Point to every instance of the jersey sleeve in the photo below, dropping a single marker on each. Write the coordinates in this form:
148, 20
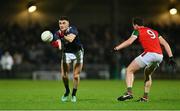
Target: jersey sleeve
55, 36
73, 30
135, 33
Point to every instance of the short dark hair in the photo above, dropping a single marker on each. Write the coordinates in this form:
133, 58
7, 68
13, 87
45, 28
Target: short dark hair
64, 18
137, 20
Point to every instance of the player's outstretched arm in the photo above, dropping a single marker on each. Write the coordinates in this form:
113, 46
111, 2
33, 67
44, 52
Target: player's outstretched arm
171, 60
164, 43
125, 43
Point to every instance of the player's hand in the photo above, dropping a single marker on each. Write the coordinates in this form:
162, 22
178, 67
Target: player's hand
55, 44
113, 51
172, 62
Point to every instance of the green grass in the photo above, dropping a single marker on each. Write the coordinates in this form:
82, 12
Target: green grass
92, 94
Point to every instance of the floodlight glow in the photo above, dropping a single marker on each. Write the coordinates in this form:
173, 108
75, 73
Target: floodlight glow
32, 8
173, 11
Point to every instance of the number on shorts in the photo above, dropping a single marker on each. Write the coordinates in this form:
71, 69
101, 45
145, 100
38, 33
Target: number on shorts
152, 34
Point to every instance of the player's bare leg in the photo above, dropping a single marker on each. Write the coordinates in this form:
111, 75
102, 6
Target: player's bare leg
148, 71
77, 70
65, 67
131, 69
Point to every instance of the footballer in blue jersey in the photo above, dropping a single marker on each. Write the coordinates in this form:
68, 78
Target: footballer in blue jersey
67, 39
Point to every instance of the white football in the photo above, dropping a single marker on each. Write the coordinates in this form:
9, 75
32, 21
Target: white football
47, 36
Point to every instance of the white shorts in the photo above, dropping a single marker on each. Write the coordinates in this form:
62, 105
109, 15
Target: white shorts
147, 58
73, 57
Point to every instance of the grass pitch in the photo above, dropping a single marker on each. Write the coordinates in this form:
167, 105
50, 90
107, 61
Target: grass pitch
92, 95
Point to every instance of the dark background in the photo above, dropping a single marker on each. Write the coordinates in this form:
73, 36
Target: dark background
102, 25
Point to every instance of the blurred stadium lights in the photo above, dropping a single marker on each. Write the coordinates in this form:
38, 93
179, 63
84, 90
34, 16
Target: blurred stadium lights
173, 7
32, 9
31, 6
173, 11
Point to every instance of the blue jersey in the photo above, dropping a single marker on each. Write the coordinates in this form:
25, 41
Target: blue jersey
70, 47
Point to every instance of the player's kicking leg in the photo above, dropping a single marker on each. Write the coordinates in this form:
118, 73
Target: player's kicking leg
148, 71
131, 69
65, 67
77, 68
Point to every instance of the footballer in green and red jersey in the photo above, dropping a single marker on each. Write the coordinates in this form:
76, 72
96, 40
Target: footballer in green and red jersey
148, 39
150, 59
